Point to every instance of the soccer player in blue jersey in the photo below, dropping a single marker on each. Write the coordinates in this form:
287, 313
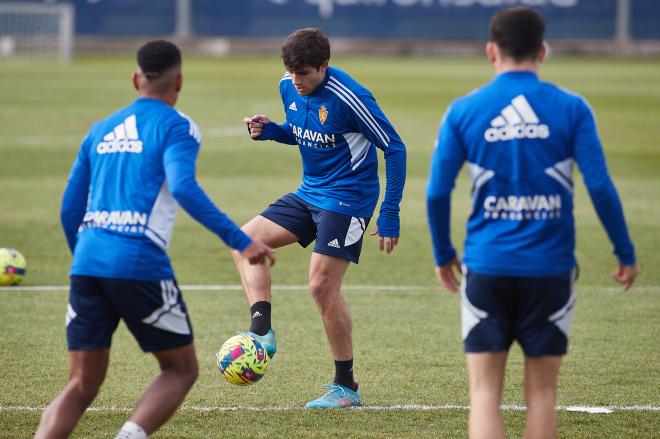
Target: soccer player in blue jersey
520, 137
133, 170
338, 127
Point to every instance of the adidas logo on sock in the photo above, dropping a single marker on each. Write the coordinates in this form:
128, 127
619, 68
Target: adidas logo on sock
124, 138
293, 106
256, 314
516, 121
334, 243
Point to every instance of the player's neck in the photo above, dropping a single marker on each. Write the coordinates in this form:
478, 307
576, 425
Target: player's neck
508, 65
168, 98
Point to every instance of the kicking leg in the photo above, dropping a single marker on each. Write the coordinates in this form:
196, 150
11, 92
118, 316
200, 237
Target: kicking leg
486, 372
541, 396
256, 278
87, 371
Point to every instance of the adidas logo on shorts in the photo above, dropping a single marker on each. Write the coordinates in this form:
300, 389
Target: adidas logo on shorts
334, 243
516, 121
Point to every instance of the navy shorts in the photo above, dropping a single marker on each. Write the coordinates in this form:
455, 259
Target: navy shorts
535, 311
153, 311
335, 234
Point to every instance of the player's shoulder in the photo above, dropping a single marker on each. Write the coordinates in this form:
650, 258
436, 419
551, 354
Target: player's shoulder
341, 82
469, 101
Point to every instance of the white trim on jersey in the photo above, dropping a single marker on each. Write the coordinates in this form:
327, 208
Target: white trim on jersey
286, 76
194, 131
479, 177
347, 95
470, 314
359, 147
355, 231
563, 173
169, 317
161, 219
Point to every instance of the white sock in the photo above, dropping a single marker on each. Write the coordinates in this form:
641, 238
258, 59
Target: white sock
130, 430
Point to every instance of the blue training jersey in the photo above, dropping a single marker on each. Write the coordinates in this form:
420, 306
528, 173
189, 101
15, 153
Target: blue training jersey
133, 170
520, 137
337, 129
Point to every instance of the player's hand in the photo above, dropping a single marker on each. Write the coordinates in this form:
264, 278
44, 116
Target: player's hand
255, 124
258, 253
625, 275
446, 275
385, 242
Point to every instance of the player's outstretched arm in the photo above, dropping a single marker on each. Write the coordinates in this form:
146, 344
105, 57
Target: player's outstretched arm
261, 128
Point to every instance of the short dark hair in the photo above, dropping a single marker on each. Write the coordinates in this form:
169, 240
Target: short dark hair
157, 57
518, 32
305, 47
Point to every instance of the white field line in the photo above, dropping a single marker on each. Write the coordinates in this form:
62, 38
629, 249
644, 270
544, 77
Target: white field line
409, 288
420, 407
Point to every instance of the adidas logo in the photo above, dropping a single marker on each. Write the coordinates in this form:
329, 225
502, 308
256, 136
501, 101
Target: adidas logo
293, 106
517, 121
334, 243
124, 138
256, 314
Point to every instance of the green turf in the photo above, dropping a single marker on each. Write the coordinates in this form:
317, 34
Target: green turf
407, 343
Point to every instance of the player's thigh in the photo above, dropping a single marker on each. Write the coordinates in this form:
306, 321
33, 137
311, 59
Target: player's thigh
486, 371
89, 367
545, 313
487, 312
91, 316
542, 372
283, 222
326, 273
154, 312
182, 359
339, 235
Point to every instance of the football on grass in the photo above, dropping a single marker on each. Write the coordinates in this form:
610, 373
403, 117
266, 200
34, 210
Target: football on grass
242, 360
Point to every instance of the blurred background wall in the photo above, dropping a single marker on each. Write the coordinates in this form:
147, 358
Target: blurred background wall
615, 27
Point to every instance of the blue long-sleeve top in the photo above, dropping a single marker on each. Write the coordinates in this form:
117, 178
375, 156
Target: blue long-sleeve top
132, 171
520, 137
337, 129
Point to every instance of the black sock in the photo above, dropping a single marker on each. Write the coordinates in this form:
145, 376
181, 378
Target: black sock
344, 374
260, 313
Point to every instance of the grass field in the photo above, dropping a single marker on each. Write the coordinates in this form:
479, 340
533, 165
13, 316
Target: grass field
407, 341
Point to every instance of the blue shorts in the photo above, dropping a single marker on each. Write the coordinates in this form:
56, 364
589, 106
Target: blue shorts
335, 234
153, 311
535, 311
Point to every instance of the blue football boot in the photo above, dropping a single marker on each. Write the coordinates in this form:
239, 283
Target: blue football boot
267, 341
337, 397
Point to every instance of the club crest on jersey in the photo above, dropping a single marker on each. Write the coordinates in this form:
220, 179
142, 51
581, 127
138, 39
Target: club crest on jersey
323, 113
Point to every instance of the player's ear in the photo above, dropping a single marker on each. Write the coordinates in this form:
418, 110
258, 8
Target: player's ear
178, 82
543, 53
491, 52
324, 67
136, 80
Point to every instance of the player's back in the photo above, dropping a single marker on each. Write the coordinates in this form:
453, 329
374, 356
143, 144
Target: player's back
518, 138
130, 212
